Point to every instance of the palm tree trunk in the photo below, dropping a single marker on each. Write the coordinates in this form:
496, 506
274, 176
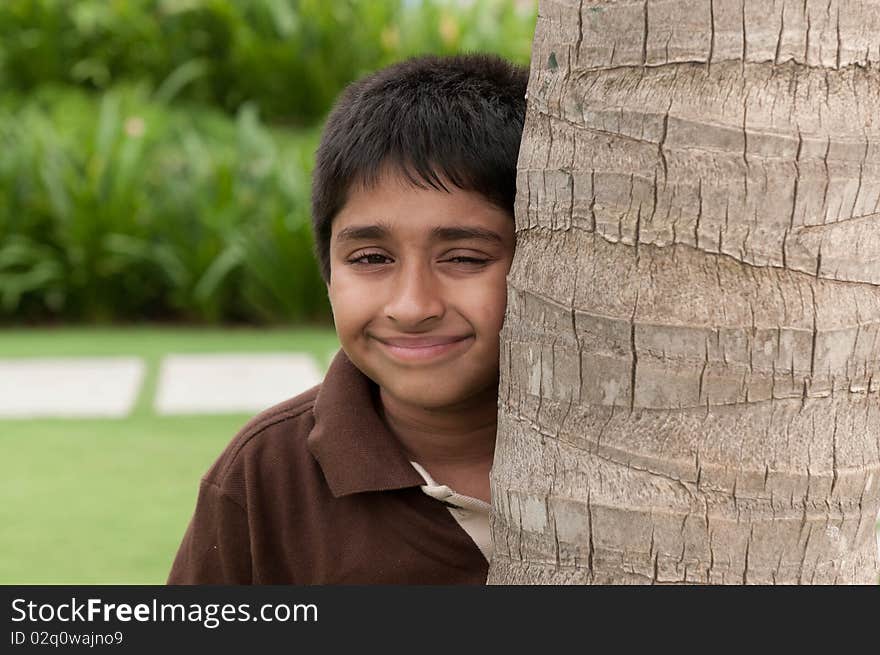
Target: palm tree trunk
690, 368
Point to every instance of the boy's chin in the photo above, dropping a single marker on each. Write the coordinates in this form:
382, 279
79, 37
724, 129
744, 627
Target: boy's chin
435, 396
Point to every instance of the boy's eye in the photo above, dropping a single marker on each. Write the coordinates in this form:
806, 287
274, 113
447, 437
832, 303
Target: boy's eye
369, 258
471, 261
374, 258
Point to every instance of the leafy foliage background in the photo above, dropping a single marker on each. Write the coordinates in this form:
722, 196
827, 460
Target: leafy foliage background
155, 154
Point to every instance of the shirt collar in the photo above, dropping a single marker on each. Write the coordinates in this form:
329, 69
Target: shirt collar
350, 441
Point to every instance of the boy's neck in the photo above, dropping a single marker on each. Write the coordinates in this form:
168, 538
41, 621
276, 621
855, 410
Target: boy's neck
456, 445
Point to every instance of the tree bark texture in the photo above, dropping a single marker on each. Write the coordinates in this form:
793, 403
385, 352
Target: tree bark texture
690, 365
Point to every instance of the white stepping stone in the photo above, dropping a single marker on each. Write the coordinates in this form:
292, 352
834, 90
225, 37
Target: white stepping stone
69, 387
217, 384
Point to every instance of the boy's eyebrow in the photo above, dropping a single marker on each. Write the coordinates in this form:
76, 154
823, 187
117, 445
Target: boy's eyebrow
461, 232
362, 232
439, 233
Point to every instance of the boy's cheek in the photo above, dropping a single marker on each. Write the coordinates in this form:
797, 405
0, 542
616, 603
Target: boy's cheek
353, 307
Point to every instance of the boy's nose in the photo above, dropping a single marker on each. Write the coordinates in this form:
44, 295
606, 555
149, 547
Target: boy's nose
415, 297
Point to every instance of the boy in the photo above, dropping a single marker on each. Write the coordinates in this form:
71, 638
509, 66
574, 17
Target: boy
381, 473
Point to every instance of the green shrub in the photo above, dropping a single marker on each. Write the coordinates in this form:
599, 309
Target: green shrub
122, 209
290, 57
137, 179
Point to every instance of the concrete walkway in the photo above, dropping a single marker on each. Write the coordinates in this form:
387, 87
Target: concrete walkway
105, 387
217, 384
108, 387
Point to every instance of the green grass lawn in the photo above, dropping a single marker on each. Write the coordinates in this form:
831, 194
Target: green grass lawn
107, 501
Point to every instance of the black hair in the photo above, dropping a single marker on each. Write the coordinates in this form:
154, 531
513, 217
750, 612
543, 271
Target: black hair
436, 120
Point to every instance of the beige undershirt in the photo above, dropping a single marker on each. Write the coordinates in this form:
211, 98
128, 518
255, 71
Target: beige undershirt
472, 514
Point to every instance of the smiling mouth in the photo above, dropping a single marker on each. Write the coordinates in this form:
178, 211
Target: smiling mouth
424, 349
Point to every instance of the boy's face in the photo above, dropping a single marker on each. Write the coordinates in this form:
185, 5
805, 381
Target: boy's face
418, 290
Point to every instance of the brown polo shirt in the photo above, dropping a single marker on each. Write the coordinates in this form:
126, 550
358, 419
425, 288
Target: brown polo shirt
316, 490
